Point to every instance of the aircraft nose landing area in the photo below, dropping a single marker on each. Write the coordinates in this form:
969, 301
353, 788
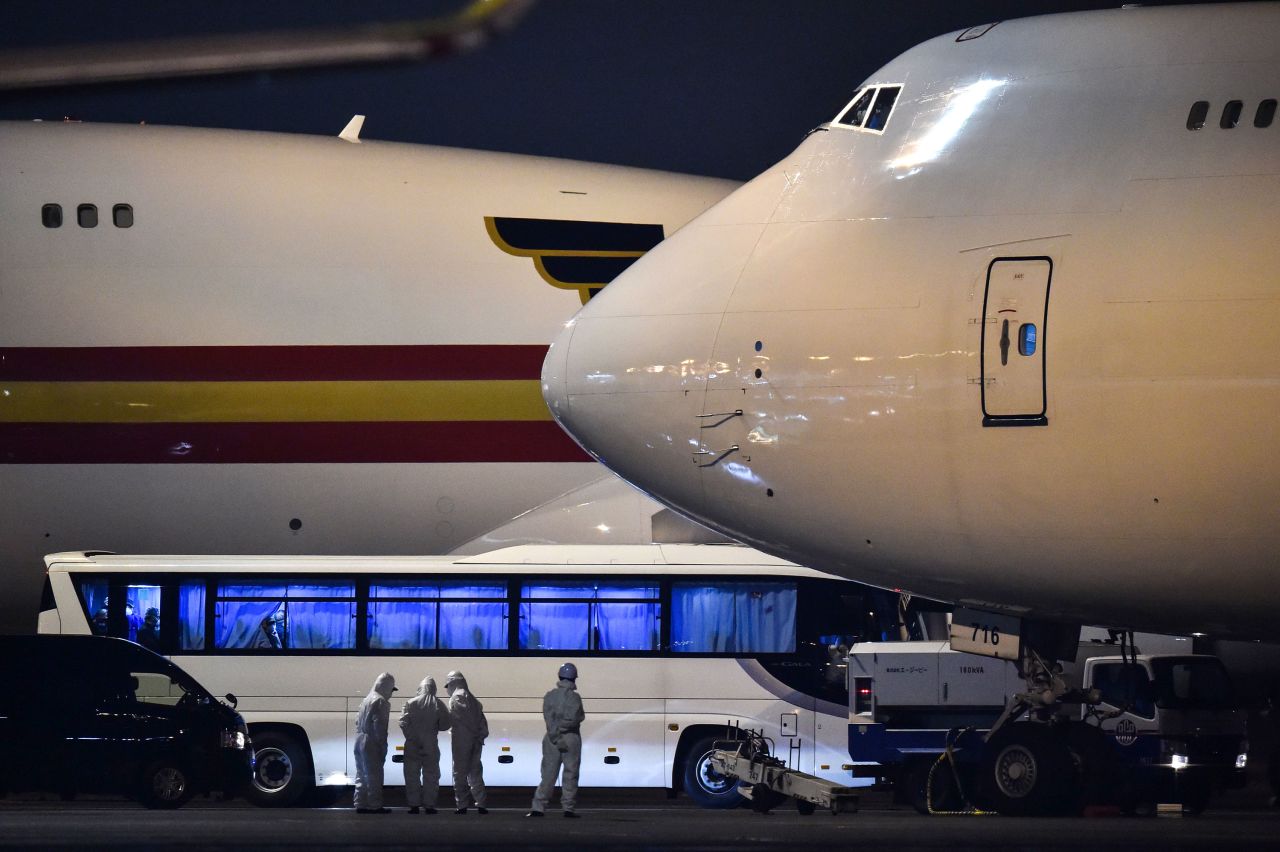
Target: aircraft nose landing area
646, 825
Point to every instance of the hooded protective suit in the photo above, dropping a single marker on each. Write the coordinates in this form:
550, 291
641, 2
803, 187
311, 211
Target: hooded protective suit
422, 720
470, 729
371, 742
562, 745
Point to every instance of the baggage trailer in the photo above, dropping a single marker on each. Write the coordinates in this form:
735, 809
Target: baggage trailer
1152, 728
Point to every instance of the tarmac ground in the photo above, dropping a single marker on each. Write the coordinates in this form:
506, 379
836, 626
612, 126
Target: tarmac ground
616, 819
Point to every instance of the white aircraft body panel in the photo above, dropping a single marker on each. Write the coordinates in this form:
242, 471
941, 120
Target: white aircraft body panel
820, 365
296, 345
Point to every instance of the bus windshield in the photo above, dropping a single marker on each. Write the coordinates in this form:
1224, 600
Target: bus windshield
1192, 683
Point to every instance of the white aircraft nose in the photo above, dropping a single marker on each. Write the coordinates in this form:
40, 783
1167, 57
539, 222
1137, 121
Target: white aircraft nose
628, 376
555, 385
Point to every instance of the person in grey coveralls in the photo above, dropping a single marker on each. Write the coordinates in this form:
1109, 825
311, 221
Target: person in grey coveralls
470, 730
371, 745
562, 745
422, 720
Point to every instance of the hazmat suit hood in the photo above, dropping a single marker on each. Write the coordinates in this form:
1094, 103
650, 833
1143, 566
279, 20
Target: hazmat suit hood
428, 686
385, 685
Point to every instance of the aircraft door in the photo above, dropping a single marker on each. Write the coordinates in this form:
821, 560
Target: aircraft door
1015, 313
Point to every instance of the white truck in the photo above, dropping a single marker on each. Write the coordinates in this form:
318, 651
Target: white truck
1151, 728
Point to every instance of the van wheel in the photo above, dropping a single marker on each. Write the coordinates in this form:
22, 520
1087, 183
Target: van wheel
165, 783
282, 771
704, 785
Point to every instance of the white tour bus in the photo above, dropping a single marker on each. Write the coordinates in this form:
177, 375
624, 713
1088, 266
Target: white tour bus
671, 642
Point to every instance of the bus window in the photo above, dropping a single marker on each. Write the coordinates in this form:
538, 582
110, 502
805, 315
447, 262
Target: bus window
307, 615
733, 618
191, 617
93, 595
588, 616
470, 619
624, 621
456, 615
142, 614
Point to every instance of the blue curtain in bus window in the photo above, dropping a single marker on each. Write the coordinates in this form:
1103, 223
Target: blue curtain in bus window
463, 624
399, 623
733, 618
191, 616
623, 626
555, 625
320, 624
239, 623
305, 624
473, 626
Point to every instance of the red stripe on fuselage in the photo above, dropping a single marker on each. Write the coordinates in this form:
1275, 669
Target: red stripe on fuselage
269, 363
268, 443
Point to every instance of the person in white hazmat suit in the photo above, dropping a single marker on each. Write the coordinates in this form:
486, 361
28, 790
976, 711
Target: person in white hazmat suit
470, 729
422, 720
371, 745
562, 745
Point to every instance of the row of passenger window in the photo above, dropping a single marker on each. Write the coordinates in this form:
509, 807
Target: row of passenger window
450, 615
86, 215
1231, 113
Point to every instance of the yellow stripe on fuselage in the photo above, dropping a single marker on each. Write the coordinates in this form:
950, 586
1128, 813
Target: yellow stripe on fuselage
270, 402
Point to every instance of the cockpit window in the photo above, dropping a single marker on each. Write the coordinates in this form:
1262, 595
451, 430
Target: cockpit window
884, 105
870, 108
857, 111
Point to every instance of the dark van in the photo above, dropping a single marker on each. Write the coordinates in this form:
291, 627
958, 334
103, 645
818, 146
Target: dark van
96, 714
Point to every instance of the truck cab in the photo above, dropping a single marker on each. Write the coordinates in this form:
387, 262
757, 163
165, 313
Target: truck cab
1172, 720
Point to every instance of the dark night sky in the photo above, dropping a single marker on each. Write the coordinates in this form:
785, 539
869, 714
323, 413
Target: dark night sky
716, 87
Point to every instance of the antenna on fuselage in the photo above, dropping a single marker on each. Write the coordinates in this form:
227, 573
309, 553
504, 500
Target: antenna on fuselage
351, 133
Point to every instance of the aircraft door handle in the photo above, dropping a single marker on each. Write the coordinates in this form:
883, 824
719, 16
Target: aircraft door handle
717, 457
722, 417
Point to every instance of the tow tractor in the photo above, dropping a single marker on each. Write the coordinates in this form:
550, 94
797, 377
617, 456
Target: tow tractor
766, 781
955, 732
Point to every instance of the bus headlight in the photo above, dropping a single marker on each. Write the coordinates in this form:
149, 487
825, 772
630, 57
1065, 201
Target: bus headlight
1242, 760
233, 739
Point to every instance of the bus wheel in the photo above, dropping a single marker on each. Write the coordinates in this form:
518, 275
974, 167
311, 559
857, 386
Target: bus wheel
703, 784
164, 783
283, 771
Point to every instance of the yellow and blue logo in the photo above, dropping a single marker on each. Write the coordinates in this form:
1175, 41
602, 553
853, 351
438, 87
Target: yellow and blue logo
572, 254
